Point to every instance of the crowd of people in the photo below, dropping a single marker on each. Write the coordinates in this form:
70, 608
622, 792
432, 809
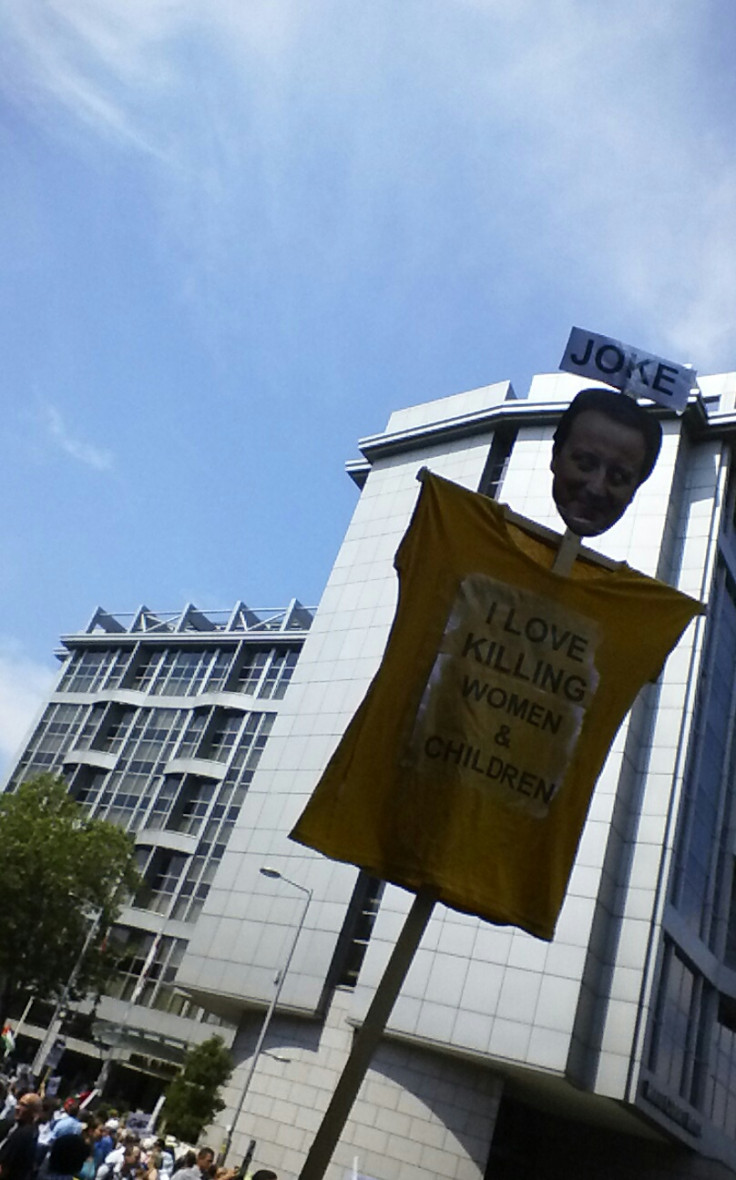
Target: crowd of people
44, 1139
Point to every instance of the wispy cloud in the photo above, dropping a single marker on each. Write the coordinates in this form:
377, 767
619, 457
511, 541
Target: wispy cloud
90, 59
83, 452
24, 685
593, 142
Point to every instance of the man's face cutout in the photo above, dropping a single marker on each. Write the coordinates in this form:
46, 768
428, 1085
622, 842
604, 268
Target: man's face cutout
596, 472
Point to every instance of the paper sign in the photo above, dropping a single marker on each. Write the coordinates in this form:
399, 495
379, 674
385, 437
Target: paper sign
628, 369
512, 681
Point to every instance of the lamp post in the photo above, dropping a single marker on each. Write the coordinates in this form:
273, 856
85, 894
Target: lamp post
94, 915
275, 875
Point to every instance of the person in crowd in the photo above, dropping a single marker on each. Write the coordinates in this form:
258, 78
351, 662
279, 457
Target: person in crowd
9, 1105
102, 1142
151, 1159
88, 1170
18, 1151
69, 1123
201, 1169
46, 1119
66, 1158
223, 1173
7, 1122
165, 1159
125, 1167
7, 1043
45, 1128
125, 1140
114, 1159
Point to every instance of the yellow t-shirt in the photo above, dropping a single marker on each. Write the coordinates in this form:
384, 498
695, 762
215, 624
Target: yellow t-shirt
469, 766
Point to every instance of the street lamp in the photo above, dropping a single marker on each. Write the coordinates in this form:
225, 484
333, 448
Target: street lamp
275, 875
94, 915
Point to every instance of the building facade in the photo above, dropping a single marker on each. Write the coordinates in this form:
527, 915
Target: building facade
157, 723
609, 1050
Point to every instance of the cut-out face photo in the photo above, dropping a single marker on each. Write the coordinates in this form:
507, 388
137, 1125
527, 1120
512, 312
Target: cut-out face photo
604, 447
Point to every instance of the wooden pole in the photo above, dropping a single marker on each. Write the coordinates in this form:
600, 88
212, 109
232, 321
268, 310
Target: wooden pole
366, 1040
566, 554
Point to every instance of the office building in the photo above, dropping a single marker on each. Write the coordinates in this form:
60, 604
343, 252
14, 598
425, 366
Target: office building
157, 723
606, 1052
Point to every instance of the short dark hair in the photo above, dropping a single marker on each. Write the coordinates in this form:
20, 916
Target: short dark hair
67, 1154
621, 409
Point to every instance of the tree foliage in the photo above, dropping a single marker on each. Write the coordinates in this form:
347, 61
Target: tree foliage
192, 1099
63, 875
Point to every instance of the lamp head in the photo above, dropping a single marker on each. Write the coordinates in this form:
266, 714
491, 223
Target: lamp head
266, 871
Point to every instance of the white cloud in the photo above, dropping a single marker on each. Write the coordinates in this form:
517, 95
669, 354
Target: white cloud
83, 452
24, 685
106, 63
594, 140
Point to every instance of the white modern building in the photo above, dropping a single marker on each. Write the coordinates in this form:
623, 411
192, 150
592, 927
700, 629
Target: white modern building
608, 1052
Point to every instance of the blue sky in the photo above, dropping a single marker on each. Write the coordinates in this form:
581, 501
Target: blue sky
236, 235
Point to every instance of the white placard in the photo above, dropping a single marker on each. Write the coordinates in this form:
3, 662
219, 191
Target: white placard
628, 369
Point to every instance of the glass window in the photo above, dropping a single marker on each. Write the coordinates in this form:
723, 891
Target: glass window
129, 793
147, 964
250, 670
721, 1086
357, 929
278, 674
676, 1023
221, 735
87, 670
118, 726
160, 880
190, 808
146, 667
131, 949
164, 800
701, 879
154, 734
92, 724
497, 463
119, 668
86, 785
219, 670
55, 734
195, 726
182, 672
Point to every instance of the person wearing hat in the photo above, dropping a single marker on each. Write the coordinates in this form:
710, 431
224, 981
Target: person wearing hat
68, 1124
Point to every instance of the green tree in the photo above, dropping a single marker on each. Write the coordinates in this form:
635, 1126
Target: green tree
63, 877
192, 1099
